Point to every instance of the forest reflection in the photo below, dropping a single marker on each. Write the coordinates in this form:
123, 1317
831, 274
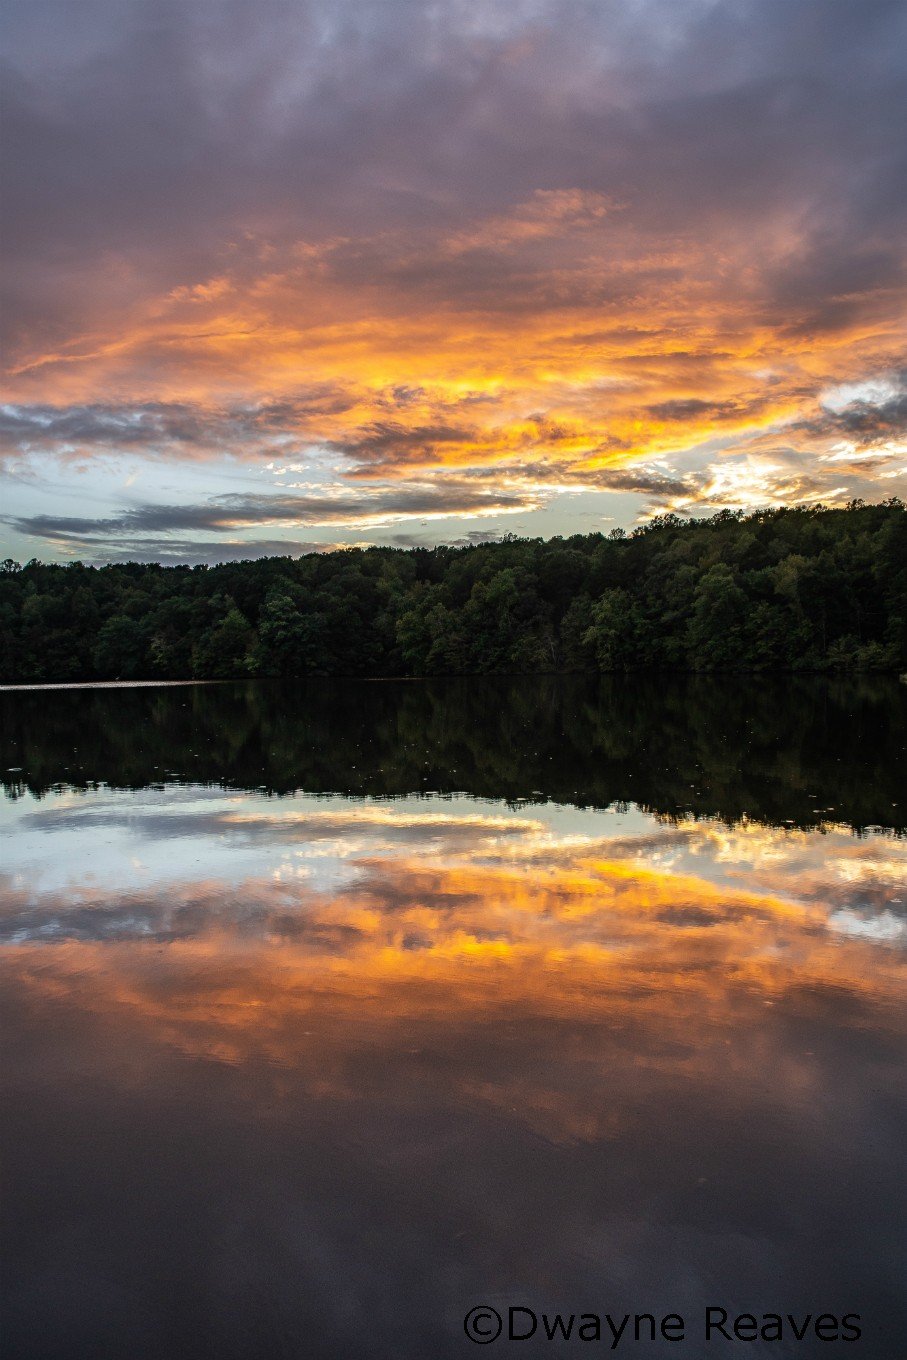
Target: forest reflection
787, 751
300, 1064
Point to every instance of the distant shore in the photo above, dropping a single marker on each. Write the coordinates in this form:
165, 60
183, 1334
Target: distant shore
776, 591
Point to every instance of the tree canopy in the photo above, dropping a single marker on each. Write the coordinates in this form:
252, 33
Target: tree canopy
808, 589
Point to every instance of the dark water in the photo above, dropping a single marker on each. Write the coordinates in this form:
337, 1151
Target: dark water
333, 1011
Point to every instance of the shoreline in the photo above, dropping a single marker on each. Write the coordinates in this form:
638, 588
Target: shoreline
635, 672
109, 684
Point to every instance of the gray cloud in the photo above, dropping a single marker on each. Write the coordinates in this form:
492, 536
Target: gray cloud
692, 408
50, 428
870, 423
648, 482
736, 172
163, 426
160, 132
186, 551
451, 497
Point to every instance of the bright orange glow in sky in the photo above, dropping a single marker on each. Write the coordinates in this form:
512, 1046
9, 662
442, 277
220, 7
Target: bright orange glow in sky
372, 273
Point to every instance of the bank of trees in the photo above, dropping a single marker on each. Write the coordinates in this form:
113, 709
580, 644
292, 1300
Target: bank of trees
800, 589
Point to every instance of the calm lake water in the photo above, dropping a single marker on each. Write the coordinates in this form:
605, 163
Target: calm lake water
333, 1011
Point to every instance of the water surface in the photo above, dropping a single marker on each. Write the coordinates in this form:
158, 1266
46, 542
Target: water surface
334, 1010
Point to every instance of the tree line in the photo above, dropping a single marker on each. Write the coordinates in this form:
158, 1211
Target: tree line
810, 589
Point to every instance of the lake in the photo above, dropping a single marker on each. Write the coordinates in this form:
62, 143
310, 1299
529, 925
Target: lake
337, 1010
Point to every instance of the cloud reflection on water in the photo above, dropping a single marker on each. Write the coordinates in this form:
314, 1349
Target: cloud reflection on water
376, 1057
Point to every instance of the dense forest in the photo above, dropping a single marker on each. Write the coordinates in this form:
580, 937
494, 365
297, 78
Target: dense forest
791, 589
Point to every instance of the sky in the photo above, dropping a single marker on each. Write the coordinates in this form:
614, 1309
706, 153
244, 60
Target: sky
304, 274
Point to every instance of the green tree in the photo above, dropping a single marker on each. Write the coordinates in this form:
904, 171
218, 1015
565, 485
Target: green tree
120, 649
717, 632
224, 650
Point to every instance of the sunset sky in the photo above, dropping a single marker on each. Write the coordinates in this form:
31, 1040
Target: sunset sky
299, 274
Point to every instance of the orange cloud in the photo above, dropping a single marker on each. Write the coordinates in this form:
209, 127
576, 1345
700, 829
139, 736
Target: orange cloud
502, 253
588, 356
